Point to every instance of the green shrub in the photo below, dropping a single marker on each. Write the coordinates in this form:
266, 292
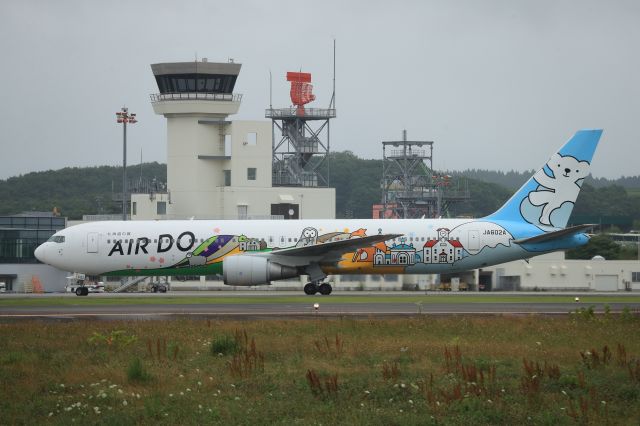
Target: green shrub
224, 345
137, 372
626, 314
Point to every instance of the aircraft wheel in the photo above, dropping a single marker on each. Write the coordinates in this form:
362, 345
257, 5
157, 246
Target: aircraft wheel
78, 291
310, 289
325, 289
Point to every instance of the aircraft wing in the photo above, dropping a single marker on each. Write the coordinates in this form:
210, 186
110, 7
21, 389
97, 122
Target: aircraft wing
549, 236
325, 252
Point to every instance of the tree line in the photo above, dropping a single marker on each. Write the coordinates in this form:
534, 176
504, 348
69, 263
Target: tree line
74, 191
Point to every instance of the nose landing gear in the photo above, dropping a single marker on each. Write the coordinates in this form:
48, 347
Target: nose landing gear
318, 287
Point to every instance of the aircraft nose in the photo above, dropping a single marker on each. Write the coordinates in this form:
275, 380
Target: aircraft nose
40, 253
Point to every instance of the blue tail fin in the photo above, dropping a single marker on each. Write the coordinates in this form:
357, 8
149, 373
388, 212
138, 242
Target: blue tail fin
547, 198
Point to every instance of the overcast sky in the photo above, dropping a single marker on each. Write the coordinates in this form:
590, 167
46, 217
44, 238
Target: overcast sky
497, 84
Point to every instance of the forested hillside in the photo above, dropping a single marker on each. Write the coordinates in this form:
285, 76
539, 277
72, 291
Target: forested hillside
514, 180
358, 187
78, 191
73, 190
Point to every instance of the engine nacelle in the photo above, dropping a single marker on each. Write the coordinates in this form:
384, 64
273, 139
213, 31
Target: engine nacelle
253, 270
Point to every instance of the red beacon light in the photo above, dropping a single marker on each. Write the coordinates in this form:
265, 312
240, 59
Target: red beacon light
301, 90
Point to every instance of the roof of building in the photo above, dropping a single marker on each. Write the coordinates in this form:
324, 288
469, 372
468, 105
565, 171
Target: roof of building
454, 243
194, 67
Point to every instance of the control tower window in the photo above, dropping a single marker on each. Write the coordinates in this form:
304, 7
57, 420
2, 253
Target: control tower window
207, 83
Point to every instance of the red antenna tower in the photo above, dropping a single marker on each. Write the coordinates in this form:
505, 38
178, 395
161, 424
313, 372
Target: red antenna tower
301, 90
300, 156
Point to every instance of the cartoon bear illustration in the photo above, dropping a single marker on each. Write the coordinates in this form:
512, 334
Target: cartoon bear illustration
309, 237
560, 188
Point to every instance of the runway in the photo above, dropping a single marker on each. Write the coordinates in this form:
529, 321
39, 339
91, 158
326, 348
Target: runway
248, 305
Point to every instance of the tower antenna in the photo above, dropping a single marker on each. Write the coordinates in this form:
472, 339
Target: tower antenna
270, 90
332, 104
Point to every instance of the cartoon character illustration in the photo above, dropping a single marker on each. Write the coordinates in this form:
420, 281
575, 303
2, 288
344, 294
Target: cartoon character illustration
368, 254
196, 260
562, 187
309, 237
333, 236
213, 248
249, 244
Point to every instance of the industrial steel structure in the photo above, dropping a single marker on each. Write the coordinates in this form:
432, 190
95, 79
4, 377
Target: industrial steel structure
301, 149
410, 187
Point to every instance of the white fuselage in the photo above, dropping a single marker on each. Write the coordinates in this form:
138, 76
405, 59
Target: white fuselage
159, 247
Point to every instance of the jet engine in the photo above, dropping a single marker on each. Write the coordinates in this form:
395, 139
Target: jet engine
253, 270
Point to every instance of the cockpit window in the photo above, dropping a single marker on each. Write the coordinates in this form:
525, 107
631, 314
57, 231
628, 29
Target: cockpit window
56, 239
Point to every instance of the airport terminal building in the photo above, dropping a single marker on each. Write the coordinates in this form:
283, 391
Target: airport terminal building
20, 271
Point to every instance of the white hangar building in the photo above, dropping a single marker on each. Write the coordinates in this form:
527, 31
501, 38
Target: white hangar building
552, 272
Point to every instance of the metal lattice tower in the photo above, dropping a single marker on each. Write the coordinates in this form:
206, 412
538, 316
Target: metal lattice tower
410, 187
300, 153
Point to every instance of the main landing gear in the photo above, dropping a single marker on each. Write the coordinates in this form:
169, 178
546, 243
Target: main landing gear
318, 287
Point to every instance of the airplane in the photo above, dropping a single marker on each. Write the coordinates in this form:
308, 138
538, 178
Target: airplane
253, 252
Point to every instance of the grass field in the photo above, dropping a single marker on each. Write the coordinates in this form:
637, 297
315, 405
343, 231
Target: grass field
579, 369
94, 300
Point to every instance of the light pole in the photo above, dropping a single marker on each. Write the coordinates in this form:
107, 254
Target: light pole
124, 117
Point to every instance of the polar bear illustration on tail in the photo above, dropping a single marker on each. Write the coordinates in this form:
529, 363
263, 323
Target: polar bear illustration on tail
562, 187
548, 197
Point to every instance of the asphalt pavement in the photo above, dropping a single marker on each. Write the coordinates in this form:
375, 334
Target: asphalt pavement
381, 304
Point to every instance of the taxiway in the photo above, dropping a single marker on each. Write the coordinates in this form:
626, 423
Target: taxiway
269, 304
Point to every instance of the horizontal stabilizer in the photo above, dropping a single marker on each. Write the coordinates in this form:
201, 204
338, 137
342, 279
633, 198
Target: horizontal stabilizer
550, 236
